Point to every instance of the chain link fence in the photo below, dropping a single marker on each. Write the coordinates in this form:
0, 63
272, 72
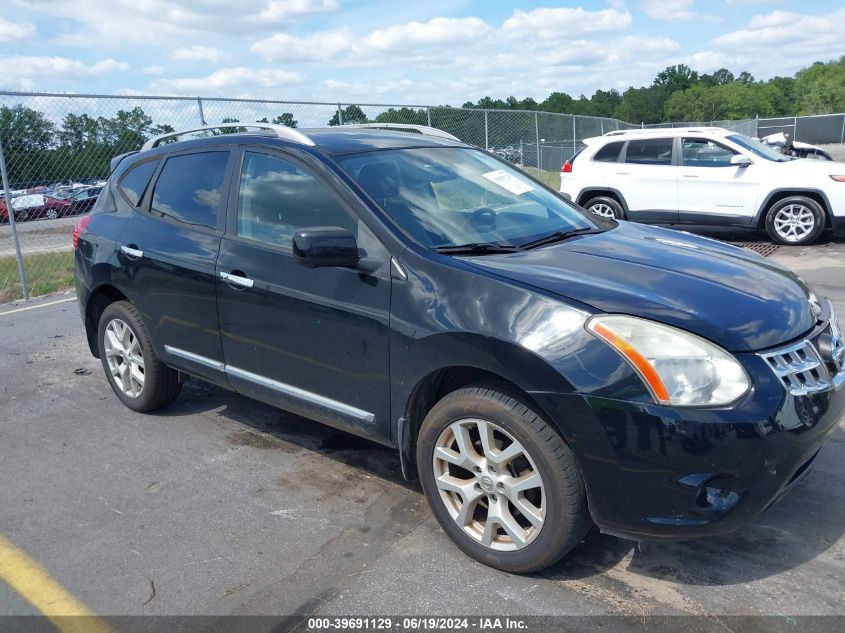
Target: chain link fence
820, 129
58, 148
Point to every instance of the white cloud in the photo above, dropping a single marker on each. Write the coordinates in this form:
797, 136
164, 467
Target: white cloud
281, 10
673, 11
155, 69
564, 23
27, 71
788, 34
320, 46
143, 22
224, 81
10, 31
435, 32
203, 54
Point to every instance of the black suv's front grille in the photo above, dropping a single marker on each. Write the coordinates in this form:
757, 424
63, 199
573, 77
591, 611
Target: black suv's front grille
812, 365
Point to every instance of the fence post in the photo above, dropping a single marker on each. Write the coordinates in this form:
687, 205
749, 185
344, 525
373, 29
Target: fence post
202, 114
8, 194
339, 115
537, 137
428, 112
486, 133
842, 138
574, 143
795, 129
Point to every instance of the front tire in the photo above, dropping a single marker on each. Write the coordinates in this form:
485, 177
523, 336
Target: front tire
500, 481
605, 207
795, 221
136, 375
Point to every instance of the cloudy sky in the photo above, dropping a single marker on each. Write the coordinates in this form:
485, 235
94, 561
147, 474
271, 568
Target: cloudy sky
437, 51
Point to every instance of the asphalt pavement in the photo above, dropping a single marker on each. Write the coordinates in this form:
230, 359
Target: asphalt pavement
220, 505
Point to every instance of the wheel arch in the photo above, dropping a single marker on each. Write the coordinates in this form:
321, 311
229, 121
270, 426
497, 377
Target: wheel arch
776, 195
591, 192
100, 298
464, 362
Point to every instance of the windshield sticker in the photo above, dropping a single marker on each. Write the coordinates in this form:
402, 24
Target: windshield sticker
506, 181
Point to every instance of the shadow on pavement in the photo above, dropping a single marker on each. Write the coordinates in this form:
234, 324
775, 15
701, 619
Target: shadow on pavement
803, 525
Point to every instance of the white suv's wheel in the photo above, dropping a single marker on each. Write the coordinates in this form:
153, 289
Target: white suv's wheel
605, 207
796, 221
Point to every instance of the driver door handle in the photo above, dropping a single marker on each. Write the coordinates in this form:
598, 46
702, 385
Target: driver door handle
237, 280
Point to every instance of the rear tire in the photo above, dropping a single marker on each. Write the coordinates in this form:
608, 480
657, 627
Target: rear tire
795, 221
518, 501
136, 375
605, 207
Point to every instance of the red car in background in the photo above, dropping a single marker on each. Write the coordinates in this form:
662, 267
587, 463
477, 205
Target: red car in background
39, 206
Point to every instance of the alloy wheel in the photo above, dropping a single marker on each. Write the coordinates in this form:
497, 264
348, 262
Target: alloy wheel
489, 484
794, 222
604, 210
125, 361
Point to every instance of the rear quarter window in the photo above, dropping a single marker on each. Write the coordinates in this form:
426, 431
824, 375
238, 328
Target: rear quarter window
135, 181
609, 153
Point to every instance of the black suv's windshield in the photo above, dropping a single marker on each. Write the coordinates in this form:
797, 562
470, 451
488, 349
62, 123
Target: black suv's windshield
457, 199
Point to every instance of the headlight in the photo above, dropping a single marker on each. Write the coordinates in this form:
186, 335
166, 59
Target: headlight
678, 368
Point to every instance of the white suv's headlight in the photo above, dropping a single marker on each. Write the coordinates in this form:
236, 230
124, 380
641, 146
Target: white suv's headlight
678, 368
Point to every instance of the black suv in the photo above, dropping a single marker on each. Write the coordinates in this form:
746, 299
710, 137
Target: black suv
539, 368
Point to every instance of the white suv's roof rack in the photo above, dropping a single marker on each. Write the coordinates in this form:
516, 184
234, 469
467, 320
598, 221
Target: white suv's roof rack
666, 130
281, 131
407, 127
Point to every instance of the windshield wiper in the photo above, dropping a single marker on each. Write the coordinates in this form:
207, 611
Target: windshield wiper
557, 236
478, 248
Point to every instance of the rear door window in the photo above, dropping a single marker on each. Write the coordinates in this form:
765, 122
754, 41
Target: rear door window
135, 181
649, 151
190, 188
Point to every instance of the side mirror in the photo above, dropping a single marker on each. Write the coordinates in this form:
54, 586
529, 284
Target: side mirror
325, 246
738, 160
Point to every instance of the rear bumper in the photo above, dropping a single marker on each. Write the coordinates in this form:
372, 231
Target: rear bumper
654, 472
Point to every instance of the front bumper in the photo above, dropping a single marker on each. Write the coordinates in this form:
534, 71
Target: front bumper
657, 472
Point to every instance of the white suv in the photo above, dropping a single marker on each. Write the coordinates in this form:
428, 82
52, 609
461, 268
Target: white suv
703, 176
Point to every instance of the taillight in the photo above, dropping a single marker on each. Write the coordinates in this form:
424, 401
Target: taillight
567, 168
84, 221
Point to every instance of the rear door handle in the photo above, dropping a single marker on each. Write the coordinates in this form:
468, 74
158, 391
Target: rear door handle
623, 173
690, 175
237, 280
132, 251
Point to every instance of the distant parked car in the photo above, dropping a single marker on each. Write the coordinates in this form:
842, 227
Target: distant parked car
72, 203
707, 176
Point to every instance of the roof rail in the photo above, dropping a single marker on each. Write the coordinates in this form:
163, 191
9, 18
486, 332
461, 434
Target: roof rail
651, 130
281, 131
408, 127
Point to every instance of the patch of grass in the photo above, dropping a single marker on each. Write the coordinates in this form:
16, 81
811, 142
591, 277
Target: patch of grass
45, 273
549, 178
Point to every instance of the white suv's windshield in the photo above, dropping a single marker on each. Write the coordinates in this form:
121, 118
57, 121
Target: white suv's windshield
455, 199
760, 149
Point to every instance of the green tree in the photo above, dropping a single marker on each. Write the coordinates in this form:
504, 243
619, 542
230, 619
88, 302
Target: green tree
285, 118
351, 114
24, 129
403, 115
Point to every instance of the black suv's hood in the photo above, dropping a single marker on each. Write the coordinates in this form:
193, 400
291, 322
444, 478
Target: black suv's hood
731, 296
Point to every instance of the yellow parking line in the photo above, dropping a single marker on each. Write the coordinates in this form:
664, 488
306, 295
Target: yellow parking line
34, 584
40, 305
